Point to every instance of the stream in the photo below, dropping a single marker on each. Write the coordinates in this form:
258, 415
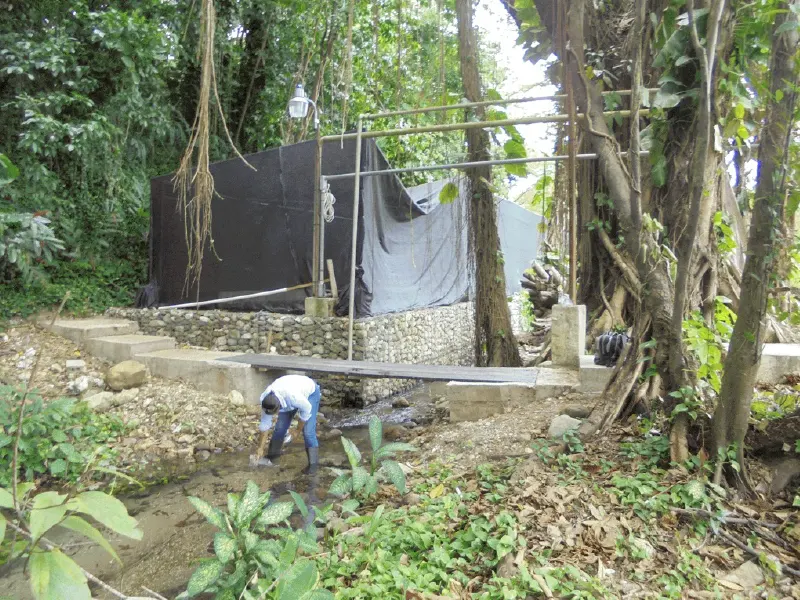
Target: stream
175, 536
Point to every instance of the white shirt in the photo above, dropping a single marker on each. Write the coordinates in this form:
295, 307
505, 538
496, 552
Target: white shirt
293, 392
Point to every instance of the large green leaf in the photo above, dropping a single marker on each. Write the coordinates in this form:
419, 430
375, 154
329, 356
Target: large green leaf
375, 433
517, 170
47, 510
360, 477
390, 449
300, 579
80, 526
298, 500
375, 521
204, 576
342, 485
224, 547
353, 454
8, 170
6, 499
2, 527
318, 594
449, 193
55, 576
515, 149
289, 552
108, 511
394, 473
212, 515
275, 513
233, 505
251, 504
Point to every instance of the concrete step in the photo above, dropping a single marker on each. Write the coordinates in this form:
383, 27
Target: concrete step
593, 378
207, 369
117, 348
80, 330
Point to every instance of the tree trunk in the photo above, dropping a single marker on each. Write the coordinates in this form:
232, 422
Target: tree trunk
495, 344
741, 364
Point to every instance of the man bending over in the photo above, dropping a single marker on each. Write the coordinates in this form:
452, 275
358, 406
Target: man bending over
289, 395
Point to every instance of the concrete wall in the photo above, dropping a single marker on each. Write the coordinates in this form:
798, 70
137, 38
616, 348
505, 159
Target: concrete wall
430, 336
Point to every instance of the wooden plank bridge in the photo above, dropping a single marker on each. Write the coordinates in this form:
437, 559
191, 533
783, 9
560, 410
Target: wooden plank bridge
384, 370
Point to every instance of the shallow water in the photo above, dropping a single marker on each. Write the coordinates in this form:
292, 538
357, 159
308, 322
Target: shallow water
175, 536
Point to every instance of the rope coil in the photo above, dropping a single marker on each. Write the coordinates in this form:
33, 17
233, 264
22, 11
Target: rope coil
328, 200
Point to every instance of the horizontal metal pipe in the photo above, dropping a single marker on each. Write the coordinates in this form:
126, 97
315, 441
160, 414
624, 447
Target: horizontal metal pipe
466, 165
245, 297
472, 125
502, 102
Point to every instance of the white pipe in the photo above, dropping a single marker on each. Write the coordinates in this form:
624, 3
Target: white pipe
235, 298
356, 197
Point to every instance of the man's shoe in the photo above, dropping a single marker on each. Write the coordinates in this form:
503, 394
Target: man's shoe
313, 460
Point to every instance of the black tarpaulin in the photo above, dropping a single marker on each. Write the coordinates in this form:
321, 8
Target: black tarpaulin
411, 250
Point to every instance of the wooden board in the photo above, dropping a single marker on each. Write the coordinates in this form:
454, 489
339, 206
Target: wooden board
359, 368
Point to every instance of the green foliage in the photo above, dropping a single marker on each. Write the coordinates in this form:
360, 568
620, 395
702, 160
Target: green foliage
449, 193
255, 551
726, 243
97, 98
706, 343
59, 438
93, 288
769, 405
54, 575
25, 242
363, 483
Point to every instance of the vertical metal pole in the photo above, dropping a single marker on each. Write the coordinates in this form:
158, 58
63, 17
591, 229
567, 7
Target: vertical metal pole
573, 203
316, 248
356, 198
320, 289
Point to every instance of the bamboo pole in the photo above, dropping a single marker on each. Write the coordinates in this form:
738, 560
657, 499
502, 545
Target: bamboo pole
354, 242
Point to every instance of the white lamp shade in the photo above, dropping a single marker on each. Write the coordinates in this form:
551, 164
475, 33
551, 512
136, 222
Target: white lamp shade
298, 107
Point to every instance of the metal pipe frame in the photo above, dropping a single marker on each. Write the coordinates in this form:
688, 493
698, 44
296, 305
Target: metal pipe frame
501, 102
354, 243
466, 165
470, 125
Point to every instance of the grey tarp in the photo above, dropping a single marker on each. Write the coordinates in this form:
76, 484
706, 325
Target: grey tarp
263, 227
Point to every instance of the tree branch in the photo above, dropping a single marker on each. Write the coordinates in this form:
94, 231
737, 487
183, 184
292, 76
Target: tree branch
18, 436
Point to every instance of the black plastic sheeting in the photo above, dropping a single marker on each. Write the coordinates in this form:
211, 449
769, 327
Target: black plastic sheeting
411, 251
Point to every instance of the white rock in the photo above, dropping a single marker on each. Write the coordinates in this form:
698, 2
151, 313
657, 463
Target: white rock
562, 424
748, 575
101, 401
77, 386
75, 365
125, 375
236, 398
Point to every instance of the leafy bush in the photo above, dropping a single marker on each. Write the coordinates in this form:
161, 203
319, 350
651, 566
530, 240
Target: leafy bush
58, 438
253, 554
93, 288
362, 482
54, 575
26, 242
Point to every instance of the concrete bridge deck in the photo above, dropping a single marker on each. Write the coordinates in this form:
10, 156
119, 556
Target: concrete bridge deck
359, 368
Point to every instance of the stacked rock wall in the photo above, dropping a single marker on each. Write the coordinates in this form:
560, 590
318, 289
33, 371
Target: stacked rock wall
440, 335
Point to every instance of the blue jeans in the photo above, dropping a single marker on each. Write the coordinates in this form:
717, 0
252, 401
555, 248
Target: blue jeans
310, 428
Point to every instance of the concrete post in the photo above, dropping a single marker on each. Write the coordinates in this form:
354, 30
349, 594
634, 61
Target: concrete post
568, 335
